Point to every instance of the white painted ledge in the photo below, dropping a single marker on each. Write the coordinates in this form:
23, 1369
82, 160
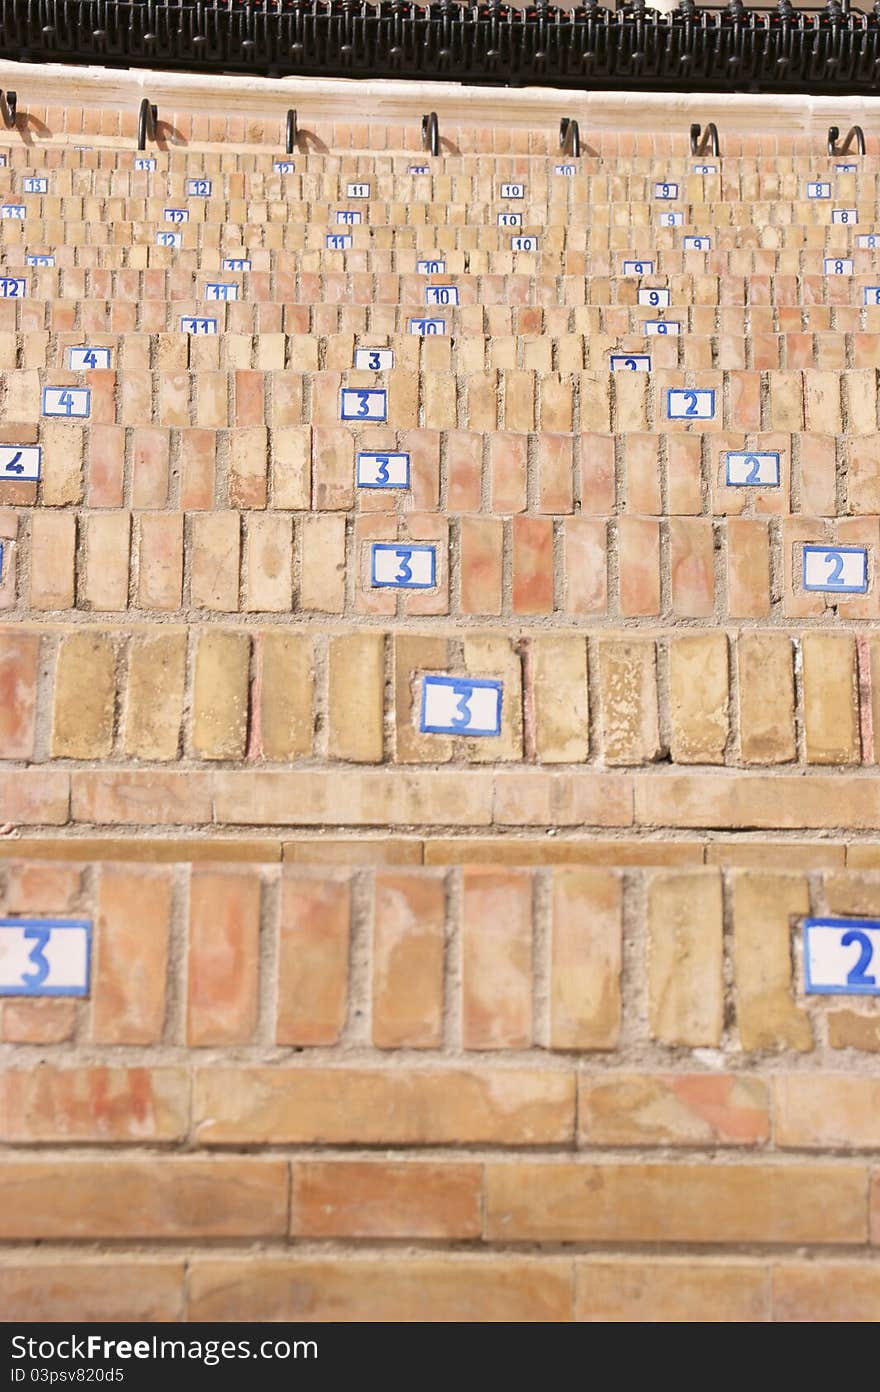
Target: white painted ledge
342, 99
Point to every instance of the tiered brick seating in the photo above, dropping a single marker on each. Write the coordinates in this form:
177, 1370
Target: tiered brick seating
582, 931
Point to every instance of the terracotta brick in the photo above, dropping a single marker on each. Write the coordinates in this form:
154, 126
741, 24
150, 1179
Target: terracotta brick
322, 571
685, 957
585, 543
628, 700
19, 672
131, 955
132, 798
532, 565
496, 959
62, 475
748, 568
645, 1289
809, 1292
313, 959
460, 1288
354, 798
85, 694
108, 544
368, 1198
268, 564
560, 1201
93, 1105
766, 1013
41, 1021
150, 466
221, 695
849, 1029
691, 566
374, 1106
409, 911
585, 959
829, 1111
154, 705
482, 540
35, 796
357, 697
831, 719
559, 693
750, 800
53, 550
93, 1290
673, 1109
286, 694
508, 472
766, 697
215, 561
160, 560
698, 701
223, 963
149, 1198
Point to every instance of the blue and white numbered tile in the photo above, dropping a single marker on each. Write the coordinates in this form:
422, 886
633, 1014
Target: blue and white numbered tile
337, 241
374, 359
71, 403
746, 469
382, 470
836, 569
198, 188
403, 567
363, 403
86, 359
197, 326
698, 243
842, 956
512, 191
44, 957
654, 298
221, 290
662, 327
144, 164
2, 161
283, 166
39, 258
35, 183
523, 244
460, 706
20, 463
169, 239
872, 295
638, 267
357, 191
235, 263
176, 214
705, 169
630, 362
838, 265
424, 327
510, 219
817, 189
15, 212
443, 296
349, 217
846, 168
1, 562
846, 216
868, 241
430, 267
12, 288
671, 219
685, 403
665, 191
418, 169
567, 170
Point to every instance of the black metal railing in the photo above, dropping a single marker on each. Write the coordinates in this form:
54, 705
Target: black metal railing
8, 108
708, 143
148, 117
431, 133
833, 50
855, 133
569, 136
291, 132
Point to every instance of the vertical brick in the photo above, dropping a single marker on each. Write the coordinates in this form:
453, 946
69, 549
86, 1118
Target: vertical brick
357, 697
628, 700
482, 541
248, 466
85, 695
286, 694
150, 466
322, 583
691, 566
508, 472
748, 568
497, 959
19, 673
638, 542
598, 489
409, 911
223, 957
585, 959
53, 550
532, 565
698, 703
490, 655
268, 564
559, 690
220, 695
108, 545
290, 469
831, 717
62, 479
766, 698
413, 655
216, 543
332, 468
685, 931
763, 906
585, 549
313, 959
134, 912
160, 560
154, 704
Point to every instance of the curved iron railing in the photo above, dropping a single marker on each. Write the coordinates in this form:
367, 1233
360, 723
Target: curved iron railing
832, 50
